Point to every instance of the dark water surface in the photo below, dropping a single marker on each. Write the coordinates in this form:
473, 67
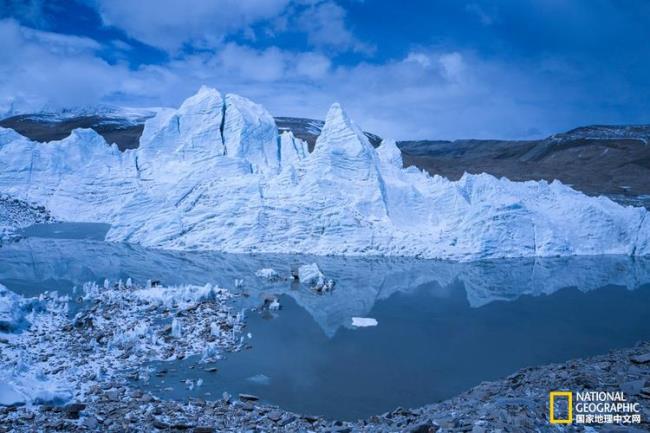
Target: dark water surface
424, 349
89, 231
442, 328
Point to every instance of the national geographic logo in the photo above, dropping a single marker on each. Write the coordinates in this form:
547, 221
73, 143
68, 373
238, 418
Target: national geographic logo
592, 407
552, 407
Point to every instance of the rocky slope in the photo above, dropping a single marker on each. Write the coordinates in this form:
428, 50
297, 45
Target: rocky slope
215, 174
122, 126
15, 214
309, 130
607, 160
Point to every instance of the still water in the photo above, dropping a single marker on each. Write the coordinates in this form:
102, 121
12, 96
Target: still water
442, 327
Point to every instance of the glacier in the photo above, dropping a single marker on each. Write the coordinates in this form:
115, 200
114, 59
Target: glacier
216, 174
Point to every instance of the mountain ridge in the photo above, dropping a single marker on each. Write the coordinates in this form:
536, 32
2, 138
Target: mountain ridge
304, 128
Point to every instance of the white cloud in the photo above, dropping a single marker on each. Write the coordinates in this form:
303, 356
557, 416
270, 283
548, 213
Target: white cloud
430, 93
450, 65
29, 11
172, 25
420, 58
453, 65
52, 68
57, 43
324, 24
485, 18
169, 24
312, 65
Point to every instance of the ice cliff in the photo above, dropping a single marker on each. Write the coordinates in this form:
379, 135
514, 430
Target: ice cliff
215, 174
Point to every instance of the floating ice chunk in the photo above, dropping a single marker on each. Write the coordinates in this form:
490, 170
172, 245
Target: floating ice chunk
260, 379
363, 322
268, 273
271, 303
211, 353
311, 275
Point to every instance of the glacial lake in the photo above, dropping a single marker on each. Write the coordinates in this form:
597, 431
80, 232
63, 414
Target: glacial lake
442, 327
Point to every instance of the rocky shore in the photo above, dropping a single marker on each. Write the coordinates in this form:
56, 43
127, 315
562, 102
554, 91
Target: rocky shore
100, 343
16, 214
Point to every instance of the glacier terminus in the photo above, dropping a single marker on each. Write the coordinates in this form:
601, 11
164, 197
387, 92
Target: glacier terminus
216, 174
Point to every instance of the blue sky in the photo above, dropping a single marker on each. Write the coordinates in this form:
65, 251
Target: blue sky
416, 69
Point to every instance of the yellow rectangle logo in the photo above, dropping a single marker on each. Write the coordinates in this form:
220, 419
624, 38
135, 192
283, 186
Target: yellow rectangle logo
551, 405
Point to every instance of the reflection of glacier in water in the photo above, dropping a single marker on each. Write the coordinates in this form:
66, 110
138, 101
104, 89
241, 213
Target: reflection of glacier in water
442, 327
424, 349
35, 264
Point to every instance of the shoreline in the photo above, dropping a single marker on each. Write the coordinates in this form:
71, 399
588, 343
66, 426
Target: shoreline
517, 403
105, 398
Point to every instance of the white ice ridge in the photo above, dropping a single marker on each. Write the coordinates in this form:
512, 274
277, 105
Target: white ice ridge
363, 322
215, 175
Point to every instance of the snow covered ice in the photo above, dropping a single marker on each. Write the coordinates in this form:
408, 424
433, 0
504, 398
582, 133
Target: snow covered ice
118, 327
11, 310
268, 274
216, 175
312, 276
363, 322
21, 379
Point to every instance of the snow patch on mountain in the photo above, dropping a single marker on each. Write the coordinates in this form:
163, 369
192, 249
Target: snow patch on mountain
214, 174
109, 113
605, 132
